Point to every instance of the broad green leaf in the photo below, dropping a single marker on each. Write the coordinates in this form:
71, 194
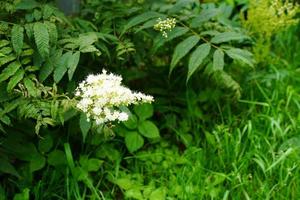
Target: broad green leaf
72, 64
148, 129
143, 111
228, 36
56, 158
48, 66
15, 79
133, 141
37, 163
6, 167
174, 33
94, 164
204, 16
84, 126
10, 70
134, 193
41, 37
62, 66
241, 55
22, 196
218, 60
27, 5
45, 144
140, 19
182, 49
197, 58
17, 36
124, 183
30, 86
131, 123
158, 194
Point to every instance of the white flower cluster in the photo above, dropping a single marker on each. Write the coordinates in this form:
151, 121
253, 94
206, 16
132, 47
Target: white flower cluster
102, 95
165, 25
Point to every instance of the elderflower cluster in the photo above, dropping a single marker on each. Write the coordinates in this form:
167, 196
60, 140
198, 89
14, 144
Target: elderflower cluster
165, 25
102, 96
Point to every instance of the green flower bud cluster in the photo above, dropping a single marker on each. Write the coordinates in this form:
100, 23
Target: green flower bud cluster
165, 25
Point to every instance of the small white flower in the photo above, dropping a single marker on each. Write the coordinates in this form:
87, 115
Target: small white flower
102, 95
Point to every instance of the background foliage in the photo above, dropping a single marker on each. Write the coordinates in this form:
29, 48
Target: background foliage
224, 125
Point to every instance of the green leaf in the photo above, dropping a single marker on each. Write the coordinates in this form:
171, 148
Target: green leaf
3, 43
37, 163
45, 144
124, 183
6, 167
17, 36
140, 19
182, 49
22, 196
158, 194
72, 64
174, 33
143, 111
52, 30
228, 36
133, 141
197, 58
131, 123
27, 5
30, 86
10, 70
41, 37
15, 79
204, 16
56, 158
62, 66
84, 125
218, 60
134, 193
148, 129
48, 66
241, 55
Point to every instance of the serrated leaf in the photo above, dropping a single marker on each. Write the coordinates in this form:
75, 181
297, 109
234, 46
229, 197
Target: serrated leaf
143, 111
17, 36
228, 36
3, 43
148, 129
197, 58
124, 183
133, 141
84, 125
241, 55
47, 11
30, 86
7, 59
41, 37
62, 66
218, 60
15, 79
174, 33
52, 30
140, 19
72, 64
48, 66
204, 16
10, 70
27, 5
182, 49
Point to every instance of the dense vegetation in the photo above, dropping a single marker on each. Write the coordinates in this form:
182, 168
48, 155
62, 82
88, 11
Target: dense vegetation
224, 123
